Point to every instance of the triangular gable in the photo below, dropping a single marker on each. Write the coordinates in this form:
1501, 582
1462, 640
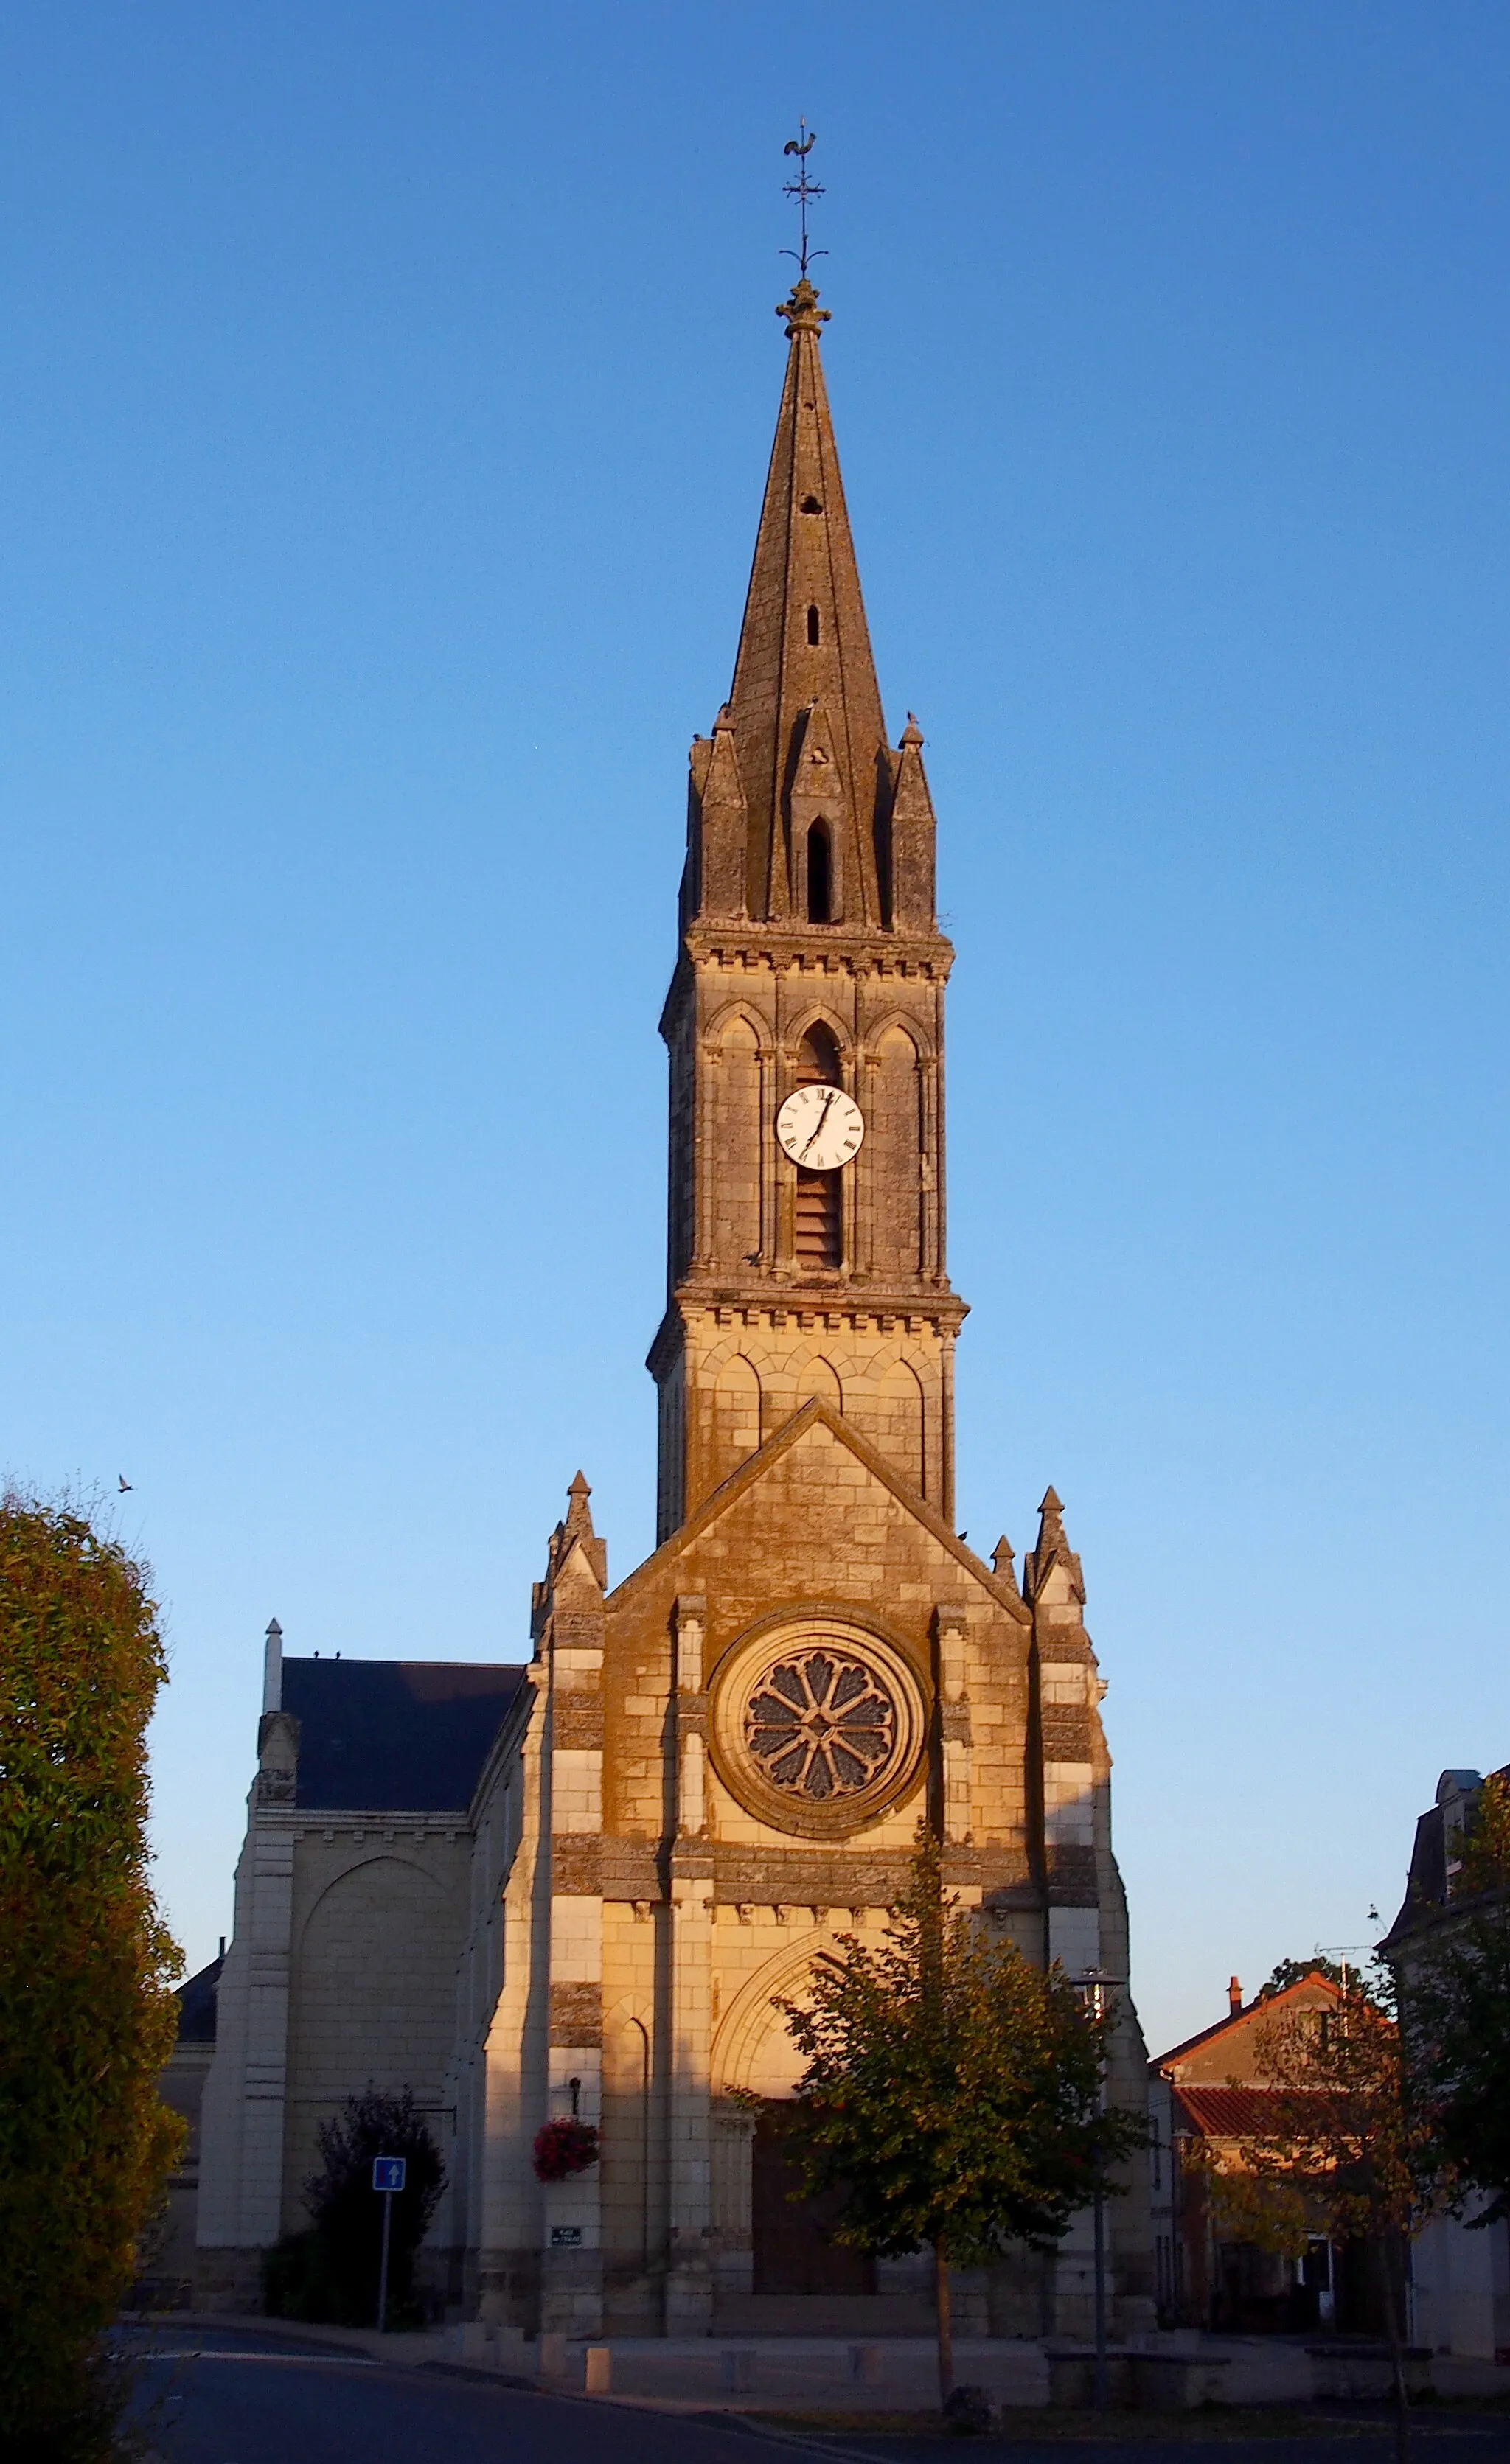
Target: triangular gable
1245, 2016
756, 1467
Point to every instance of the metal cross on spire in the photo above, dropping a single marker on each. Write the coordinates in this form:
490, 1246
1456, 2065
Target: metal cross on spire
802, 189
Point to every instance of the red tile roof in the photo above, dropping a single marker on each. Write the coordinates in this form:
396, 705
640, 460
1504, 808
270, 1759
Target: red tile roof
1233, 2112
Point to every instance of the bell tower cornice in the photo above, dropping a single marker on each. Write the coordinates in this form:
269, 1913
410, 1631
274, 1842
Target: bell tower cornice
761, 947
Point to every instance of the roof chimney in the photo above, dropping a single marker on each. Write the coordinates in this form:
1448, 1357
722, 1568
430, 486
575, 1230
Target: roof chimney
1234, 1996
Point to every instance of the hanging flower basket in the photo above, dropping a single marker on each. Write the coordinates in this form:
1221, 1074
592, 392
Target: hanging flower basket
564, 2147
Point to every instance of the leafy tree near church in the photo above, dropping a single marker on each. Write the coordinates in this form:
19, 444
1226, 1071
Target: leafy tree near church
87, 2014
1454, 1990
1295, 1971
1348, 2152
952, 2092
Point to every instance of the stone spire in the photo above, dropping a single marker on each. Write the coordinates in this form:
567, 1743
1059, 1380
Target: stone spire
806, 709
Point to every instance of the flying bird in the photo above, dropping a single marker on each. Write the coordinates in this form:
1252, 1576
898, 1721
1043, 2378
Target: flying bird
122, 1483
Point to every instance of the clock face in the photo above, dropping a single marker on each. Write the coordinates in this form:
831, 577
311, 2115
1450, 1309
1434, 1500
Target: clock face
820, 1126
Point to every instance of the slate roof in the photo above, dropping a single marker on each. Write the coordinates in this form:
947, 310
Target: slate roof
394, 1736
197, 1998
1426, 1890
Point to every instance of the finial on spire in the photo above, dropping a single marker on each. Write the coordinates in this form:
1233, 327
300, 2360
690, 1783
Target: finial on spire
802, 311
802, 189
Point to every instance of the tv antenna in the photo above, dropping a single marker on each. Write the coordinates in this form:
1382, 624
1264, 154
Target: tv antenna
802, 189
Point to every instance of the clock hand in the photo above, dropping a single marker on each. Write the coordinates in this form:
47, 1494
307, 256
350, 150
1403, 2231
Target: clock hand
828, 1105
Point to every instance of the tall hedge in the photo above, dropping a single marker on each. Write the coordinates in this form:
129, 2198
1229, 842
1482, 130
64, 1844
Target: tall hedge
87, 2014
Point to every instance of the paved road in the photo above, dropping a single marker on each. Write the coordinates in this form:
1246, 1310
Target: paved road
220, 2397
1346, 2437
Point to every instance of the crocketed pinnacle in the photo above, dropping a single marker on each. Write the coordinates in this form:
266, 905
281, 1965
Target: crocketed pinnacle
1052, 1550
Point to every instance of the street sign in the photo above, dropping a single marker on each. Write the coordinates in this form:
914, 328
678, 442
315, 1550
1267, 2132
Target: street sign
565, 2237
388, 2174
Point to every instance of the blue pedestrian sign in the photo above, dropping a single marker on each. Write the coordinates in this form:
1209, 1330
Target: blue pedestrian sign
388, 2172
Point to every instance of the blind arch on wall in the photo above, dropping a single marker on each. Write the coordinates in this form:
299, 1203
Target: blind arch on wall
373, 1998
736, 1414
895, 1133
737, 1143
818, 1381
900, 1427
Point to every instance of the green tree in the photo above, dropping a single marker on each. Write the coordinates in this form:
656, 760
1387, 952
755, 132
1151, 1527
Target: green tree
1346, 2152
952, 2092
1295, 1971
1452, 1973
87, 2014
330, 2271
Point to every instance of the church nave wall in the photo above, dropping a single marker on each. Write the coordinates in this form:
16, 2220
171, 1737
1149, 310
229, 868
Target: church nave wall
376, 1944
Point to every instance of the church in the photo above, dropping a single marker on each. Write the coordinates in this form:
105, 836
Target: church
575, 1885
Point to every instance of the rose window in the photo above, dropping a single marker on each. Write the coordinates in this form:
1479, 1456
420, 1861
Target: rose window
821, 1724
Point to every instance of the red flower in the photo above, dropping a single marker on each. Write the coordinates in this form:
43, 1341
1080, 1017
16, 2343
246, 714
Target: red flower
564, 2147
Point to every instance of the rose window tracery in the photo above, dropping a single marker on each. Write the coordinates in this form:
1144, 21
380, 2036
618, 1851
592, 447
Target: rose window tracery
821, 1724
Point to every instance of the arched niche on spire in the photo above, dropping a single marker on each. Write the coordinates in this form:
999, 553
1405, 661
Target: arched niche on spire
819, 820
818, 870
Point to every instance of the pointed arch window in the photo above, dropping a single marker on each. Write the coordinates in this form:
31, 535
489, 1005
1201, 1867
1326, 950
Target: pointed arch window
815, 627
819, 1220
820, 875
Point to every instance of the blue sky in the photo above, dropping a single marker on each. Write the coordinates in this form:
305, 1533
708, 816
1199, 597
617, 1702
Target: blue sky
389, 395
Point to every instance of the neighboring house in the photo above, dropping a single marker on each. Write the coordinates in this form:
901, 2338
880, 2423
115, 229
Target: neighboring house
1459, 2274
1206, 2097
168, 2259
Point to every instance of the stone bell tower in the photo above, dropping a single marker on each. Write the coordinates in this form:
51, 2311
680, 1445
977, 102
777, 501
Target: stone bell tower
809, 956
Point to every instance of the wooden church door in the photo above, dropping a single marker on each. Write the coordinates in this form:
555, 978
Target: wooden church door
794, 2252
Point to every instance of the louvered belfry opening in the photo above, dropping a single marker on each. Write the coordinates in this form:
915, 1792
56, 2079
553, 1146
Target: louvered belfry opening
819, 1228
